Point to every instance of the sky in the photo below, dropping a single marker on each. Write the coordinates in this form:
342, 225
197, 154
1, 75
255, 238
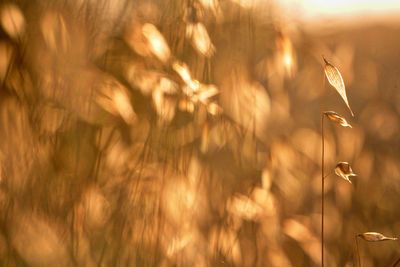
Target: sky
333, 8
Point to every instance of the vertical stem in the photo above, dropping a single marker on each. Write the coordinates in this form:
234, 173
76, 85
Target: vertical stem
322, 171
358, 251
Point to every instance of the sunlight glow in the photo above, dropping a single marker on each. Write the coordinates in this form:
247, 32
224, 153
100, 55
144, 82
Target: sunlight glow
316, 8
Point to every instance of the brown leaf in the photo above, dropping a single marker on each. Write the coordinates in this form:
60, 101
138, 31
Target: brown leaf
335, 79
12, 20
333, 116
375, 237
214, 109
200, 39
115, 98
343, 169
206, 92
183, 71
157, 43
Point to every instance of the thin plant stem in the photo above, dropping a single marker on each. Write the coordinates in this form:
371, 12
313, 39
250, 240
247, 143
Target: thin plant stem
358, 251
322, 171
396, 262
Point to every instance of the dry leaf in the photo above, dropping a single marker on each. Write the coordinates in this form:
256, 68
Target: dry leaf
375, 237
12, 20
123, 105
206, 92
167, 86
343, 169
333, 116
115, 98
200, 39
164, 106
245, 208
336, 80
214, 109
157, 43
182, 70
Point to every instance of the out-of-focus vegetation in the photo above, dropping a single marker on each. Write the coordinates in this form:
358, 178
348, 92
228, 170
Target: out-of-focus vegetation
186, 133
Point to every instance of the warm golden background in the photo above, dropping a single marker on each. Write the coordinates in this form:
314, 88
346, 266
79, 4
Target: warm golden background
187, 132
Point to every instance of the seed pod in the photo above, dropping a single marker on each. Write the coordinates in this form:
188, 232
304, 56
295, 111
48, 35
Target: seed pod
375, 237
335, 79
214, 109
343, 169
333, 116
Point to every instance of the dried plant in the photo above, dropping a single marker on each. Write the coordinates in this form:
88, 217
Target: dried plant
180, 133
372, 237
375, 237
342, 169
335, 79
334, 117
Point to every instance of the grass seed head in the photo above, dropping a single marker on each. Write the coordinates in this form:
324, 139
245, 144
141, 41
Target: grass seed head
335, 79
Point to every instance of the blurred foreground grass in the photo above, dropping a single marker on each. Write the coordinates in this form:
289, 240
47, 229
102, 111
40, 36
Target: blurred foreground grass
186, 133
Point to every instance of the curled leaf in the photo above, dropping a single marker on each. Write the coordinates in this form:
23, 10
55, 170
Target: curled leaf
343, 169
375, 237
335, 79
333, 116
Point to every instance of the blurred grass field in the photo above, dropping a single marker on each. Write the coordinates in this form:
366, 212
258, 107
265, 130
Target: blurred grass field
187, 133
